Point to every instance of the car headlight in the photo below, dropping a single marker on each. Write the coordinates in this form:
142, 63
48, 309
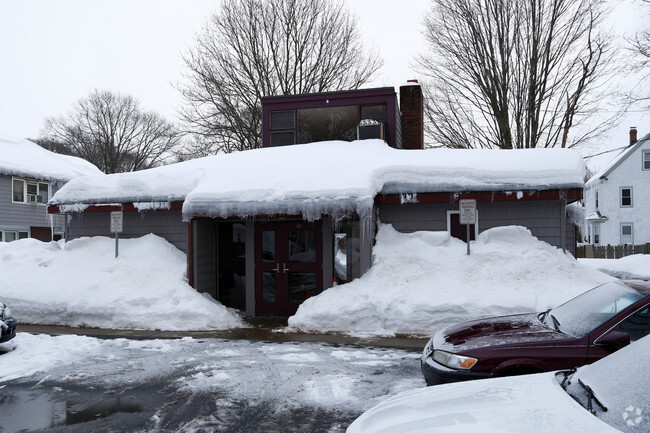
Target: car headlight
451, 360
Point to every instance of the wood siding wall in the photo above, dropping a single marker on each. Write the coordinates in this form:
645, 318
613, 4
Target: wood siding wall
205, 257
542, 218
167, 224
23, 216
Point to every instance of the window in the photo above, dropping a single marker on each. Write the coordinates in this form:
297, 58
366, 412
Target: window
25, 191
12, 235
282, 128
646, 159
374, 112
327, 123
626, 234
637, 325
596, 233
596, 200
626, 197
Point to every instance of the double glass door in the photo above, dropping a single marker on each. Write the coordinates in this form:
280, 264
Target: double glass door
288, 265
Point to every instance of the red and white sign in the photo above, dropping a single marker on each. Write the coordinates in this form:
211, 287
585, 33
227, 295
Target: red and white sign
467, 209
116, 222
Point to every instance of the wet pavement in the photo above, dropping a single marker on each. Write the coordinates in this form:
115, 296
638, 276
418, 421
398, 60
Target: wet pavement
270, 329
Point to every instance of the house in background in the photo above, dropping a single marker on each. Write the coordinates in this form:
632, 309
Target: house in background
268, 228
29, 177
617, 199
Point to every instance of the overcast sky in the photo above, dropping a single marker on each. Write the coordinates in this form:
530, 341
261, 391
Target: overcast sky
53, 52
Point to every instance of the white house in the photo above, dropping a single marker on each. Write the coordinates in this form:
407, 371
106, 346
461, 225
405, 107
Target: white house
617, 199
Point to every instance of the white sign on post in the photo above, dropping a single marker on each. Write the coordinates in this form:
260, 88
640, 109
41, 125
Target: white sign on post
467, 208
117, 224
467, 211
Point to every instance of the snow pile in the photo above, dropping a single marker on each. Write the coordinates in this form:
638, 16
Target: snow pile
300, 179
422, 281
81, 283
21, 157
636, 266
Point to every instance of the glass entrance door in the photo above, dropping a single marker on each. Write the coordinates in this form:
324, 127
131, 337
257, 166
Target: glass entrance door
288, 265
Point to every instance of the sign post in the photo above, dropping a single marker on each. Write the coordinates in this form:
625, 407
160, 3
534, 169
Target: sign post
117, 224
467, 208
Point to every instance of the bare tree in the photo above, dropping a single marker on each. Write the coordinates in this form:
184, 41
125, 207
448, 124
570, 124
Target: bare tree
111, 131
641, 50
513, 73
256, 48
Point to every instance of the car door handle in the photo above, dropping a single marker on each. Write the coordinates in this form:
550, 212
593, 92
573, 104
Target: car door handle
277, 268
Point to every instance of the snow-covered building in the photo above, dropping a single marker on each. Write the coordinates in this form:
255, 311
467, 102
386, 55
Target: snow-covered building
617, 199
265, 229
29, 176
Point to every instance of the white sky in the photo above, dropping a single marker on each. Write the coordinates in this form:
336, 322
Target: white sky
53, 52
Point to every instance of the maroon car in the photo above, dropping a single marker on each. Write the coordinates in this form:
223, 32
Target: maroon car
581, 331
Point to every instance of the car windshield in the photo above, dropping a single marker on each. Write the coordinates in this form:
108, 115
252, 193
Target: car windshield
615, 388
586, 312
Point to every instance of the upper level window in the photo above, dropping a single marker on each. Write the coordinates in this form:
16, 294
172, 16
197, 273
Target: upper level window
282, 128
626, 197
646, 159
25, 191
327, 123
596, 199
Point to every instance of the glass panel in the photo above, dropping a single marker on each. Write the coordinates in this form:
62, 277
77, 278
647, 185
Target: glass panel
43, 193
282, 138
10, 236
626, 197
19, 190
302, 246
32, 188
637, 325
232, 264
268, 286
347, 251
374, 112
327, 123
626, 234
282, 119
302, 285
646, 160
23, 235
268, 245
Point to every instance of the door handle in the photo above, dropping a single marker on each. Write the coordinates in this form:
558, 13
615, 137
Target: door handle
284, 268
277, 268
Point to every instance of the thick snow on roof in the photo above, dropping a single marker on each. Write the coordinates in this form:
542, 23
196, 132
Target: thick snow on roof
618, 159
327, 178
20, 157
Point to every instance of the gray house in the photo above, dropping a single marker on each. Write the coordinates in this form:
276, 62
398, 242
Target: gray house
29, 177
266, 229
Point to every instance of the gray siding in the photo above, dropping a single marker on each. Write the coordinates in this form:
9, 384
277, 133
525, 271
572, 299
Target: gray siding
22, 216
542, 218
167, 224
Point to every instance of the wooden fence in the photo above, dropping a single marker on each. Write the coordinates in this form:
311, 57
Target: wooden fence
610, 251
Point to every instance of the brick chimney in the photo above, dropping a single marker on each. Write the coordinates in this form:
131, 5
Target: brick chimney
412, 108
633, 135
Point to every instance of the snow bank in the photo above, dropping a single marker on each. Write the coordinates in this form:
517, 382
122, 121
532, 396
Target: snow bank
81, 283
636, 266
21, 157
422, 281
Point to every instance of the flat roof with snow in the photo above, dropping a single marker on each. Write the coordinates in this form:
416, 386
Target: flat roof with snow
325, 178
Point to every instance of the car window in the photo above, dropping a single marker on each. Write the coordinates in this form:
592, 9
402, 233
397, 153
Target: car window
636, 325
616, 387
586, 312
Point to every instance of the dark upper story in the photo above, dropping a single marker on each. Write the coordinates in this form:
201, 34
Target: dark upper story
345, 115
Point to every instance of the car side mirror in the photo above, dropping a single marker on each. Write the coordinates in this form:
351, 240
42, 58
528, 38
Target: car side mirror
614, 340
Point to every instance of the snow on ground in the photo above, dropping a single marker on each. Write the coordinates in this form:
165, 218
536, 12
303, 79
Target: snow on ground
630, 267
81, 283
422, 281
295, 374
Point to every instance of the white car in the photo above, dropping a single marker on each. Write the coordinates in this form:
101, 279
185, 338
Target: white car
610, 395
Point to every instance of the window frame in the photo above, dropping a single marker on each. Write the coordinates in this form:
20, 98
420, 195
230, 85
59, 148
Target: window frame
631, 235
17, 234
38, 187
621, 197
645, 160
596, 233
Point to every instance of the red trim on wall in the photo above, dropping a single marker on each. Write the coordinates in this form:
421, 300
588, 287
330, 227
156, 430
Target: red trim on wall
570, 195
125, 207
